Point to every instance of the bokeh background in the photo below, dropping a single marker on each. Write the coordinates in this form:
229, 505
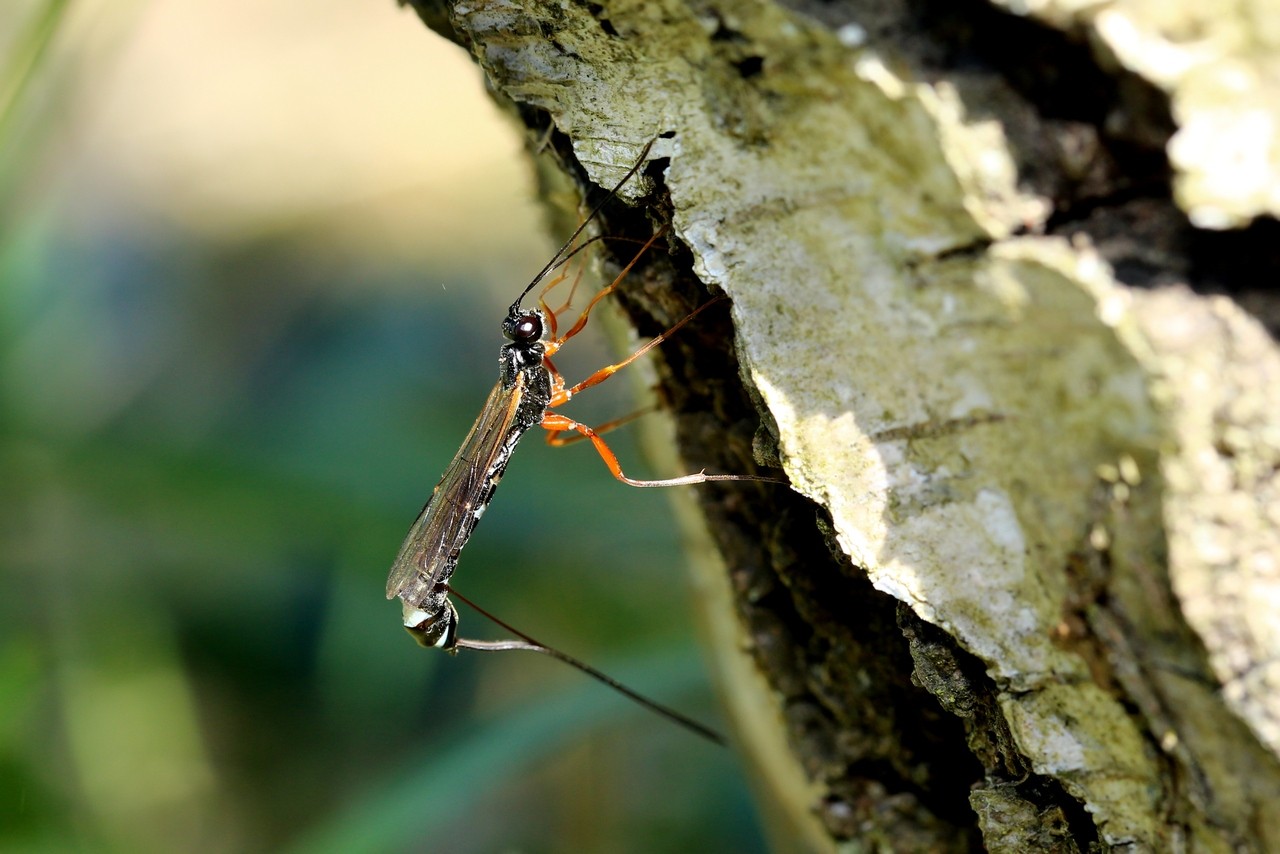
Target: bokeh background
253, 256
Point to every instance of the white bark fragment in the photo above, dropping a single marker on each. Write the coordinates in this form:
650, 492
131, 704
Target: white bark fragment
1220, 65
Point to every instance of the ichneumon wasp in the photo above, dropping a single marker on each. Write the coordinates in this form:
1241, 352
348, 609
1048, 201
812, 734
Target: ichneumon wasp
527, 394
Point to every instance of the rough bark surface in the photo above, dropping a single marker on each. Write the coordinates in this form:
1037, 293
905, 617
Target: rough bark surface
1025, 593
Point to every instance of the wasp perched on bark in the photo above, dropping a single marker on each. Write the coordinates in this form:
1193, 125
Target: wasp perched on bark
528, 391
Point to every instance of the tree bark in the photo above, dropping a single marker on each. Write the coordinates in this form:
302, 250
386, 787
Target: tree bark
1024, 593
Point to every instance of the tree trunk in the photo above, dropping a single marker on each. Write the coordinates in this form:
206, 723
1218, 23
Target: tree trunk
1024, 593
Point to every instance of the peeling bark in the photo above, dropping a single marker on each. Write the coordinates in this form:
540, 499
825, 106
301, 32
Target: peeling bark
1024, 593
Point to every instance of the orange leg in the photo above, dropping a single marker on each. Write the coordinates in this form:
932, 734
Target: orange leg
609, 370
577, 278
546, 309
554, 436
554, 313
555, 374
557, 423
556, 343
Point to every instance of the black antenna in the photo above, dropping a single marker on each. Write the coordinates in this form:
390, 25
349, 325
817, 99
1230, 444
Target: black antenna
531, 645
555, 259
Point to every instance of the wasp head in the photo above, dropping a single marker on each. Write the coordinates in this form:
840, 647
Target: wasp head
524, 325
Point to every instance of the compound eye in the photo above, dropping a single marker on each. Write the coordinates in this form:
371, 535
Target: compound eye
528, 327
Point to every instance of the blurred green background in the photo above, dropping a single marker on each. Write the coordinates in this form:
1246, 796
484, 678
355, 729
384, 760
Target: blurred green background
253, 257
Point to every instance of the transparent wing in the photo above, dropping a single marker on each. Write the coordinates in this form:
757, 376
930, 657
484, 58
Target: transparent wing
431, 548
